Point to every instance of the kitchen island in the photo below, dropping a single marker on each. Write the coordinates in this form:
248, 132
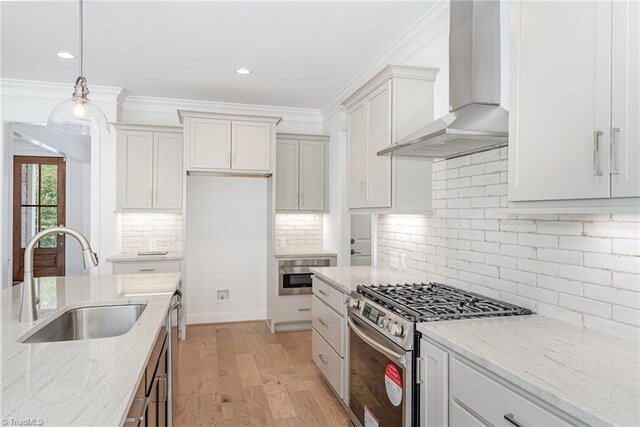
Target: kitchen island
84, 382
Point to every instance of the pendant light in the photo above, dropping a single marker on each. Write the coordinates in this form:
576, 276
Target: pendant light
78, 115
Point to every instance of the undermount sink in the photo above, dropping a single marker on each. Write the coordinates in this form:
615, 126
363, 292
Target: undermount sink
90, 322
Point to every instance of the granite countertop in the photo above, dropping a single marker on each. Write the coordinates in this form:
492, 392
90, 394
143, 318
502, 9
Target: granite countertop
171, 256
287, 252
85, 382
587, 374
345, 279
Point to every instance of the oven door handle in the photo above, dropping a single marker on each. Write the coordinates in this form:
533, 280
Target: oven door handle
382, 349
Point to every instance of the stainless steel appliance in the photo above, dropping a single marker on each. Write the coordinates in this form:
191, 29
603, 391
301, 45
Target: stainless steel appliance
295, 274
174, 355
384, 344
476, 120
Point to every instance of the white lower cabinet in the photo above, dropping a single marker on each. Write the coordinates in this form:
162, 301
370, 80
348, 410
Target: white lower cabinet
329, 334
148, 267
294, 308
456, 392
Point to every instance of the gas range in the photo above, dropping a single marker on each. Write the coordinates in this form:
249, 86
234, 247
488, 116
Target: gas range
395, 309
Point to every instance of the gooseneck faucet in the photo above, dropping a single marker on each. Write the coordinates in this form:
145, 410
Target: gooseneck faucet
28, 312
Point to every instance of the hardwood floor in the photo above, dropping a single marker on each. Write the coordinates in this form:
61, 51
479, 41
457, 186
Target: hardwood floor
239, 374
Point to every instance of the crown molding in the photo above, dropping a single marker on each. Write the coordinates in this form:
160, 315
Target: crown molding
39, 89
430, 25
170, 105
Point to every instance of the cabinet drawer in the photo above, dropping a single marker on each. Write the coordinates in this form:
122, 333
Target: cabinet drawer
328, 361
458, 416
294, 309
329, 324
146, 267
332, 297
493, 401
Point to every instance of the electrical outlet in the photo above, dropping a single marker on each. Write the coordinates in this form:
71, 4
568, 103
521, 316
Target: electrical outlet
220, 233
223, 295
153, 244
393, 260
402, 262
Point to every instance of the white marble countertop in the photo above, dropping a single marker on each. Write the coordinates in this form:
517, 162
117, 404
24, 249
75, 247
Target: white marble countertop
345, 279
589, 375
171, 256
85, 382
287, 252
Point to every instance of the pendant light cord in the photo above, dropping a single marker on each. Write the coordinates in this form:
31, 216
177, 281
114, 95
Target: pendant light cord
81, 39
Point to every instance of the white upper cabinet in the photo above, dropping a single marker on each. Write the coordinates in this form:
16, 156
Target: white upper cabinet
250, 146
287, 175
570, 93
394, 103
229, 144
209, 143
625, 105
301, 173
312, 175
149, 167
167, 170
357, 154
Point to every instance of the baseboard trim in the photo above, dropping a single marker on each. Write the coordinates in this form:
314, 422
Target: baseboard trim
238, 316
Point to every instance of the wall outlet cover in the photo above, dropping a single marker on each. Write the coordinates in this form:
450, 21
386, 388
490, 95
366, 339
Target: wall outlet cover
222, 295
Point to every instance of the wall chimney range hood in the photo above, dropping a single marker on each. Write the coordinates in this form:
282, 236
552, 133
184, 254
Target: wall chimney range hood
476, 121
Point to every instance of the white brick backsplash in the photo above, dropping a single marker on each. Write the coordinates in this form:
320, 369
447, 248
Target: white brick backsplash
579, 268
626, 246
303, 231
137, 230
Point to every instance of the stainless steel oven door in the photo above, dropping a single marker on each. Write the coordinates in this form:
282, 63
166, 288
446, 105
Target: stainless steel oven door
380, 389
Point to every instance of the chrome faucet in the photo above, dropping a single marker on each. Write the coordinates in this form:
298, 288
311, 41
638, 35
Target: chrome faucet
28, 312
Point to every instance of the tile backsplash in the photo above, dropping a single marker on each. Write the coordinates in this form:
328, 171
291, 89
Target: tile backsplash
581, 269
299, 231
139, 230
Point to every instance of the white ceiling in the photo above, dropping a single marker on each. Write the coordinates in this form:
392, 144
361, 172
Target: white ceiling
302, 53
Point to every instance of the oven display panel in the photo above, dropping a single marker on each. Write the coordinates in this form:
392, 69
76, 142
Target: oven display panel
371, 313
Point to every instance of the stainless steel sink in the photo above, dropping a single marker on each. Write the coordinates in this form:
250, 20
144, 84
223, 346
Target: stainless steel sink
84, 323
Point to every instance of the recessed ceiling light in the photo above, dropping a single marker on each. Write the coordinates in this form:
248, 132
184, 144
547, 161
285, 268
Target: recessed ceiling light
65, 55
243, 71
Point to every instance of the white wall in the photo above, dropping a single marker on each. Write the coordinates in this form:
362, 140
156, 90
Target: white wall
238, 260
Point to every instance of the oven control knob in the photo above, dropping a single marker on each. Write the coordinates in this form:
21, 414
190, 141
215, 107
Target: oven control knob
353, 303
395, 329
386, 323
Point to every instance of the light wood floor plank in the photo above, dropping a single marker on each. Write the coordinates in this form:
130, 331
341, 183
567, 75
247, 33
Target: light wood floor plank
239, 374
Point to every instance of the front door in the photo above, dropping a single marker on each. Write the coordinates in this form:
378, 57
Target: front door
38, 203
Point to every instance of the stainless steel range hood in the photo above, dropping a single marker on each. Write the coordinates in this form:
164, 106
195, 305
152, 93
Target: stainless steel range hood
476, 121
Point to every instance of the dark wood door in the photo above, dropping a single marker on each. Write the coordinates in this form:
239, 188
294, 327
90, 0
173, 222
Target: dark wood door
38, 203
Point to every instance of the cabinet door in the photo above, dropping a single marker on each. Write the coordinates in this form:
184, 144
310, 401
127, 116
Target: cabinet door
135, 169
625, 114
251, 146
561, 100
312, 178
434, 390
287, 175
167, 170
378, 183
357, 155
209, 143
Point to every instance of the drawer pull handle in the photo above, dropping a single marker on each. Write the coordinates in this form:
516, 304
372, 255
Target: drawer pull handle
138, 418
147, 269
323, 323
323, 358
321, 292
596, 153
512, 420
304, 309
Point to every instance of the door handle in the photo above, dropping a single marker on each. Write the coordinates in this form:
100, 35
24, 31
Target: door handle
354, 252
596, 153
614, 160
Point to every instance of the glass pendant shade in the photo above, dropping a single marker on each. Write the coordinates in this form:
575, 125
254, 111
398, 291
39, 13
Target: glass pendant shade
79, 116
